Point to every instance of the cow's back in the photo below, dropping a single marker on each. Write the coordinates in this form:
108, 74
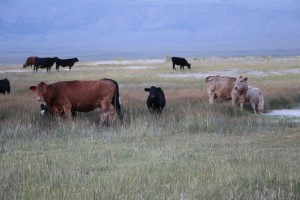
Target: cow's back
178, 60
221, 86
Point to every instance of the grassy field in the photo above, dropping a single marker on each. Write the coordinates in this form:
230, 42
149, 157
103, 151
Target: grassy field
193, 151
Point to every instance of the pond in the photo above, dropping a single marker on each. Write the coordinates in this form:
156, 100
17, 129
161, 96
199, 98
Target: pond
285, 112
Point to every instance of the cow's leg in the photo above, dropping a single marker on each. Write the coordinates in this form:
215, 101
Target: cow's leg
57, 113
174, 67
211, 96
253, 105
105, 104
234, 100
242, 106
67, 110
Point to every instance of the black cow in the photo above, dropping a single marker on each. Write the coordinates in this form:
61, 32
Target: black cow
181, 62
156, 100
44, 63
65, 63
4, 86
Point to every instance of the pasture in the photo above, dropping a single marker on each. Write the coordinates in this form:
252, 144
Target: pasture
193, 151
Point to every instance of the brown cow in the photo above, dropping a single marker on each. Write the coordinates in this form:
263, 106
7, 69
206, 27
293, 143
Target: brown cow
29, 61
83, 96
219, 87
239, 91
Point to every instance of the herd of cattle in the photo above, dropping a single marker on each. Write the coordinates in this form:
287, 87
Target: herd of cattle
66, 97
47, 63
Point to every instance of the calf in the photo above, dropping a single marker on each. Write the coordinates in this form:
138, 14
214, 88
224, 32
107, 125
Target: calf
156, 100
256, 99
83, 96
239, 91
181, 62
4, 86
65, 63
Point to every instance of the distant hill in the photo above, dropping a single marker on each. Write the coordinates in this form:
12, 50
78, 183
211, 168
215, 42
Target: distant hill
147, 27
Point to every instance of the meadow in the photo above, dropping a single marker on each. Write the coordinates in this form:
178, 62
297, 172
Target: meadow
193, 151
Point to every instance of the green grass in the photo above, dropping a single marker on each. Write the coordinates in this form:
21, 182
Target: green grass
193, 151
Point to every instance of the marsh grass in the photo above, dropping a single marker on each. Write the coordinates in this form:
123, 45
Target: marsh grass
193, 151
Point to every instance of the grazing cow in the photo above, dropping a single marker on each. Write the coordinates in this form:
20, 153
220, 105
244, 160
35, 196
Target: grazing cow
82, 96
4, 86
181, 62
65, 63
256, 99
156, 100
239, 91
219, 87
29, 61
44, 63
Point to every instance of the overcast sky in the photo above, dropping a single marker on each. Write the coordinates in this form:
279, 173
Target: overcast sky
146, 27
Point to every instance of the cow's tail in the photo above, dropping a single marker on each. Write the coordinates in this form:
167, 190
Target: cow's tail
261, 103
116, 100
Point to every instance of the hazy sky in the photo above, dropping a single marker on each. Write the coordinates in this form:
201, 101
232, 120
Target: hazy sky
93, 27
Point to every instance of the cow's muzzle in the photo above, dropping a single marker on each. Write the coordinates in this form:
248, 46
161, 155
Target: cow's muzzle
39, 99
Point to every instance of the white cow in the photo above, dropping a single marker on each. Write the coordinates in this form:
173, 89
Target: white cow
255, 97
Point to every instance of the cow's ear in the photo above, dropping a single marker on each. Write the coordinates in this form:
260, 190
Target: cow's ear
158, 88
147, 89
32, 88
245, 79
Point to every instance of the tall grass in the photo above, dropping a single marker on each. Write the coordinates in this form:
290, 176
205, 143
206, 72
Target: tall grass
193, 151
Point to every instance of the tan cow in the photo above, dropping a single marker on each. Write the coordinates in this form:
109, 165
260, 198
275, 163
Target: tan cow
83, 96
255, 97
239, 91
219, 87
29, 61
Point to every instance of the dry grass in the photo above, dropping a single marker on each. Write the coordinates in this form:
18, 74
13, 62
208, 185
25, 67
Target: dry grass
193, 151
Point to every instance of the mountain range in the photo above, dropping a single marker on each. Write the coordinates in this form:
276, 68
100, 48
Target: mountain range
105, 29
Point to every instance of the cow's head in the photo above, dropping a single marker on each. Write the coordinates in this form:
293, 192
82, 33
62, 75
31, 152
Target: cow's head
241, 84
40, 90
152, 91
76, 59
189, 65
